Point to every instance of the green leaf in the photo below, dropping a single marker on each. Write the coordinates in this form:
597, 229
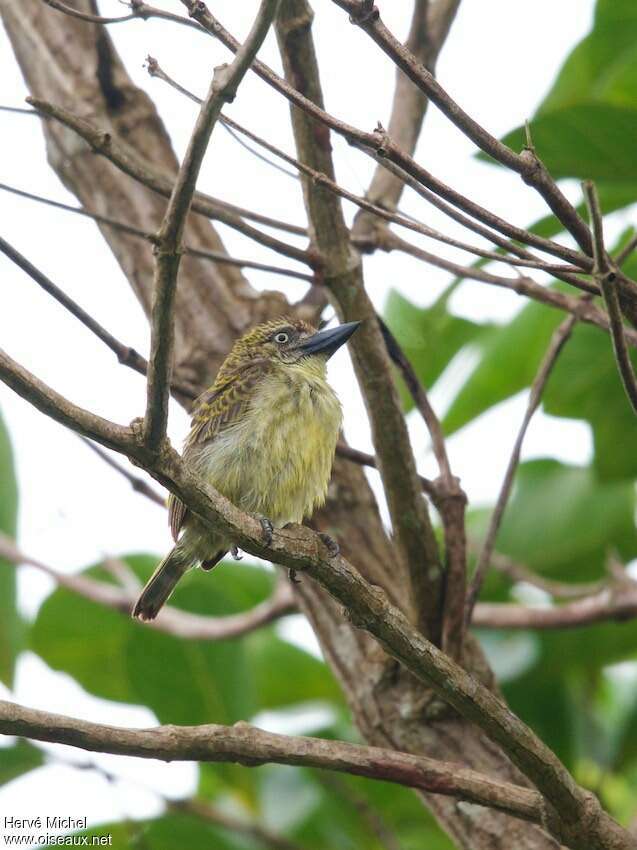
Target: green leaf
563, 521
430, 336
18, 759
283, 675
588, 140
11, 627
509, 361
585, 125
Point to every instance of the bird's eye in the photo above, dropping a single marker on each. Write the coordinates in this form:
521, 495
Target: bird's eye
281, 338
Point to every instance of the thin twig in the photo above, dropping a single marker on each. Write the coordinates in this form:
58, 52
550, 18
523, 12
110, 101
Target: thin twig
106, 145
172, 621
526, 286
365, 459
626, 251
222, 90
526, 164
126, 355
364, 204
84, 16
605, 276
558, 340
378, 145
214, 256
138, 484
451, 502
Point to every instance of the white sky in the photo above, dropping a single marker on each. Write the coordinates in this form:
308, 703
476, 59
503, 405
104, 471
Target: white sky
498, 64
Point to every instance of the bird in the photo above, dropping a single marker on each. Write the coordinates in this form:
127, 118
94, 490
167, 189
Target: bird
264, 435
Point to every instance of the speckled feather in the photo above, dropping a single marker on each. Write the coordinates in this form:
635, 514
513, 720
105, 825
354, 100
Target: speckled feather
264, 435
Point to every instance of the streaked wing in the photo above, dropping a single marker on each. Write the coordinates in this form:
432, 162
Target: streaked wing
215, 410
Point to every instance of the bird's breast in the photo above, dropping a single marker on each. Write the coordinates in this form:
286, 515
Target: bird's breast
276, 459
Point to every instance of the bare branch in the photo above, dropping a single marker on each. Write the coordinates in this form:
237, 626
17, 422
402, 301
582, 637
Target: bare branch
84, 16
586, 312
583, 823
171, 621
526, 164
606, 278
558, 589
524, 259
343, 276
365, 459
428, 31
217, 816
380, 146
138, 484
214, 256
451, 501
104, 144
126, 355
558, 340
222, 90
616, 603
249, 746
626, 251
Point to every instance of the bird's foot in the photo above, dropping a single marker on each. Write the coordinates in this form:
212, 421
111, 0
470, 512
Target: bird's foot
292, 576
236, 554
330, 544
267, 529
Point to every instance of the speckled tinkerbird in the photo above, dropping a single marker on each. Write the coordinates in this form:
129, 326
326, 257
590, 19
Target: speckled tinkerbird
264, 435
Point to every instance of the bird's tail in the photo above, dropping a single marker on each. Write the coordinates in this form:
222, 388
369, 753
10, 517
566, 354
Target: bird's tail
160, 585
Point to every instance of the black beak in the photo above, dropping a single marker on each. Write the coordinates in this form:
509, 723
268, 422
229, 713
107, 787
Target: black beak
329, 341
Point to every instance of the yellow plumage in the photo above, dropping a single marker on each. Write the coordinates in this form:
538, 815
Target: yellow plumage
264, 435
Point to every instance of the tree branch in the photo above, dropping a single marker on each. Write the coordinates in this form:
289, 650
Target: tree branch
168, 250
114, 151
343, 277
126, 355
214, 256
616, 603
171, 621
583, 823
451, 501
138, 484
524, 259
526, 164
558, 340
84, 16
428, 31
249, 746
380, 146
606, 279
586, 312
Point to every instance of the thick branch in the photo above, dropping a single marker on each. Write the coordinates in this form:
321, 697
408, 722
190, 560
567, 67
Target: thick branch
249, 746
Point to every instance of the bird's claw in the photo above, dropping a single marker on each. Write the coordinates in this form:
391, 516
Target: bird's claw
330, 544
292, 576
267, 528
236, 555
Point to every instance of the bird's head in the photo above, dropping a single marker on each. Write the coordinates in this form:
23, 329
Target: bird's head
287, 341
